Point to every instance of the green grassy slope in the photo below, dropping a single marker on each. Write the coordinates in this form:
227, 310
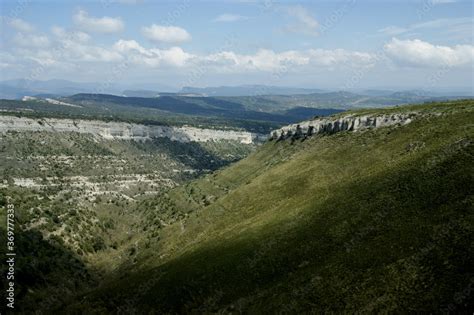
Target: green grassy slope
373, 221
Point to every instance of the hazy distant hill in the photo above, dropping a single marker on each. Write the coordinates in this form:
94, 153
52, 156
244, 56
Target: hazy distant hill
247, 90
338, 99
204, 106
12, 92
148, 93
16, 89
21, 87
140, 93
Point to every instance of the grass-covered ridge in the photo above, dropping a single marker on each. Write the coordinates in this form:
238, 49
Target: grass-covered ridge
373, 221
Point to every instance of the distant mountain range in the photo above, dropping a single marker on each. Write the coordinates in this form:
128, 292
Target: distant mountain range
17, 89
140, 93
228, 108
148, 93
248, 90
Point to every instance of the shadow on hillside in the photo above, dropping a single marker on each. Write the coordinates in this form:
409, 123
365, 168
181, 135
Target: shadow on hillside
46, 273
399, 241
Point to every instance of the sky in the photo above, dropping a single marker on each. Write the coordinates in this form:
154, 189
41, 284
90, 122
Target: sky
343, 45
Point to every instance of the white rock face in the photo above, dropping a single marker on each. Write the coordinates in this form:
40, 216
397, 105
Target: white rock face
345, 123
56, 102
126, 131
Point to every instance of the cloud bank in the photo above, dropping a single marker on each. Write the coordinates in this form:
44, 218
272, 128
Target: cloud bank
166, 34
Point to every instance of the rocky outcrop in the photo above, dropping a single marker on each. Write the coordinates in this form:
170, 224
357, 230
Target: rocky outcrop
126, 131
344, 123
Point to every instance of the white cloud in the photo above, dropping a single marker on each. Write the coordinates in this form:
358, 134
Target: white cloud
227, 17
67, 50
167, 34
58, 31
125, 46
291, 60
97, 25
263, 60
75, 47
341, 58
134, 52
31, 40
423, 54
305, 22
174, 56
89, 53
21, 25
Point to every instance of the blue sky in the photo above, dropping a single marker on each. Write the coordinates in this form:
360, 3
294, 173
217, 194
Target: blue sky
329, 44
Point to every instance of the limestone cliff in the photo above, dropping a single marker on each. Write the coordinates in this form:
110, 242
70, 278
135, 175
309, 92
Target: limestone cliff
344, 123
127, 131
